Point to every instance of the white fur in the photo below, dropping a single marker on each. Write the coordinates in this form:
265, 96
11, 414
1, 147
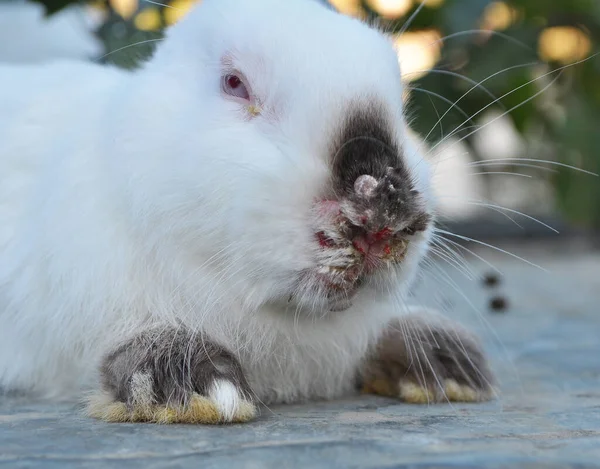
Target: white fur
227, 399
129, 198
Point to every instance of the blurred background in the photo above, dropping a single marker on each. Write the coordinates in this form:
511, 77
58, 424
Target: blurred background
507, 93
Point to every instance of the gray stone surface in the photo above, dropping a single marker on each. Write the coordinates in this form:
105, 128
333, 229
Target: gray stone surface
545, 349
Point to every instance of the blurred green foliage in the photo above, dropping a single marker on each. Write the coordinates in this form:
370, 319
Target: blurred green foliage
571, 132
54, 6
568, 117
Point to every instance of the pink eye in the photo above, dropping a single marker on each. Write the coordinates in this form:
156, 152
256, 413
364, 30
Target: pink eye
234, 86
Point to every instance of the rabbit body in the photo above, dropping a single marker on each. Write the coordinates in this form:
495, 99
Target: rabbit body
149, 199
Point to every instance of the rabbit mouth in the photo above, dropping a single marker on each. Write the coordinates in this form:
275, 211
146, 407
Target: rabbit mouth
345, 268
349, 253
353, 246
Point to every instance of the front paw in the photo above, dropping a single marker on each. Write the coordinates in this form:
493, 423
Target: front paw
421, 360
171, 375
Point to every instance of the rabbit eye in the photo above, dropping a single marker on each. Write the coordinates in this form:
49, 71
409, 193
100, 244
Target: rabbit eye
234, 86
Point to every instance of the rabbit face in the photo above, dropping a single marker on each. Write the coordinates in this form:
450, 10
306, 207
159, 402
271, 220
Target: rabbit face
295, 176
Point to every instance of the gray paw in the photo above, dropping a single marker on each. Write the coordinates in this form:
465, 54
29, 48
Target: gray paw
425, 361
169, 375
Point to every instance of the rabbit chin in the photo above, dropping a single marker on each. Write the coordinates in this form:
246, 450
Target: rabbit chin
312, 297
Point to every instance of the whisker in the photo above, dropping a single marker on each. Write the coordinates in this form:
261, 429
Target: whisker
506, 173
451, 251
419, 339
559, 70
484, 204
437, 114
499, 207
522, 103
163, 5
452, 262
555, 163
131, 45
466, 238
363, 137
411, 18
521, 165
458, 75
442, 275
485, 31
446, 100
439, 238
466, 93
412, 337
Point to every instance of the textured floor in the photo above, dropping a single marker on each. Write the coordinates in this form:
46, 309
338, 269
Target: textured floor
545, 349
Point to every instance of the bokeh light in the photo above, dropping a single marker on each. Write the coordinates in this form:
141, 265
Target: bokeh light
418, 52
391, 9
498, 16
564, 44
348, 7
148, 19
178, 9
124, 8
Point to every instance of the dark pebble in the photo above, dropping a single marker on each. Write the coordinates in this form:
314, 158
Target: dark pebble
498, 304
491, 280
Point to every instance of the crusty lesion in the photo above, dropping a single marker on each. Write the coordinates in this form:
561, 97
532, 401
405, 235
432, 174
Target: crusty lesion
423, 360
169, 374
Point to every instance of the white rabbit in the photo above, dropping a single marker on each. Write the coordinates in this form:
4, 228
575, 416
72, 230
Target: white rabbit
238, 221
